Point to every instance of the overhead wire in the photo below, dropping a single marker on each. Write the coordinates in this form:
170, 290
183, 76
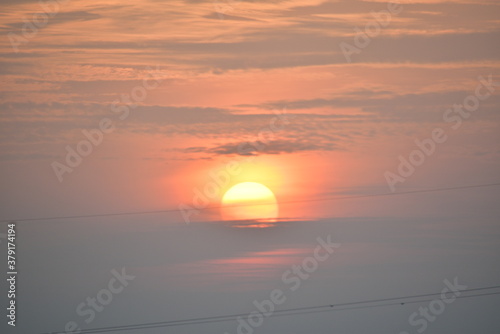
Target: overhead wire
382, 302
329, 198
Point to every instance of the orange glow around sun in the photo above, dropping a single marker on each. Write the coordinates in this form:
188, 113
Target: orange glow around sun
249, 200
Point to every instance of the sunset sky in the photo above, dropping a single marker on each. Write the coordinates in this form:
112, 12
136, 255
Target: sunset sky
111, 107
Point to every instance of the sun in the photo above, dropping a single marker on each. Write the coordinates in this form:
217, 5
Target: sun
249, 200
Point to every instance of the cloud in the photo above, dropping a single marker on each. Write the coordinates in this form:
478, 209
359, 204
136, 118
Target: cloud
219, 16
284, 47
393, 107
63, 17
245, 148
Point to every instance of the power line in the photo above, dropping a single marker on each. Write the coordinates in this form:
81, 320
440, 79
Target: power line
243, 205
384, 302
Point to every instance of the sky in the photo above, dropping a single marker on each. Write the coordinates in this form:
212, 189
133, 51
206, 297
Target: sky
374, 124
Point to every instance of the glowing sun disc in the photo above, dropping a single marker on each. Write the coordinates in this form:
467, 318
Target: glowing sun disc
249, 200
